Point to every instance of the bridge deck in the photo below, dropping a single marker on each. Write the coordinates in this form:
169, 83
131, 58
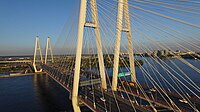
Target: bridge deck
113, 99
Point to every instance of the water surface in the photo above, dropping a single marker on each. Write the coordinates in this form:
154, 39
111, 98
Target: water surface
38, 93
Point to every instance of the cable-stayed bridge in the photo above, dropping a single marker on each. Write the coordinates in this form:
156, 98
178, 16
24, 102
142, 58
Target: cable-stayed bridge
84, 73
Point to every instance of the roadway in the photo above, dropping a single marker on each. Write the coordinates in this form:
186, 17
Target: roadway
86, 95
98, 100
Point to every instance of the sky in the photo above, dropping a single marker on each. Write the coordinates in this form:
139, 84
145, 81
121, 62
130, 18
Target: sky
22, 20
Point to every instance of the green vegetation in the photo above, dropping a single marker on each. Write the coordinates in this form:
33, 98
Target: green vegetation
92, 62
6, 68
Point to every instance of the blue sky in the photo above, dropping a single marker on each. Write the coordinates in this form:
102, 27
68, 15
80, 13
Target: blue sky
22, 20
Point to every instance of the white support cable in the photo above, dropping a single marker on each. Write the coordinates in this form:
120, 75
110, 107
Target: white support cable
164, 16
172, 86
191, 43
82, 17
108, 76
166, 46
128, 96
150, 103
152, 41
162, 91
113, 94
123, 12
156, 83
190, 1
181, 6
196, 69
172, 8
178, 80
153, 26
94, 13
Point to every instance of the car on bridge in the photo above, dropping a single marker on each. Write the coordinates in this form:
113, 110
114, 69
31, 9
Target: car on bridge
103, 99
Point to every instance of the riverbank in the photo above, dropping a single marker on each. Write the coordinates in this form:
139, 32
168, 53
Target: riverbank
20, 74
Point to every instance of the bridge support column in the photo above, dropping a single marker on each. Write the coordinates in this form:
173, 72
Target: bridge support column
130, 44
94, 24
98, 43
82, 18
48, 47
37, 47
123, 12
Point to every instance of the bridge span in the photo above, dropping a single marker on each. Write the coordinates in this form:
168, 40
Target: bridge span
114, 101
95, 90
83, 99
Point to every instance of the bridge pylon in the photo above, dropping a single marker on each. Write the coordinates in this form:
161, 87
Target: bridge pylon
123, 13
95, 25
48, 48
37, 48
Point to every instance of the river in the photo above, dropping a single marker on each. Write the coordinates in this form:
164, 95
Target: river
39, 93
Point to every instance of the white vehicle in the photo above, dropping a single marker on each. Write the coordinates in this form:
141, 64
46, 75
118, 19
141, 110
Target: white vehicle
103, 99
183, 100
132, 101
122, 96
152, 90
91, 92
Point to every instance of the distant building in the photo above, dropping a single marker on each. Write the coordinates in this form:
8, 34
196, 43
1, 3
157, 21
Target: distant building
162, 53
155, 53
